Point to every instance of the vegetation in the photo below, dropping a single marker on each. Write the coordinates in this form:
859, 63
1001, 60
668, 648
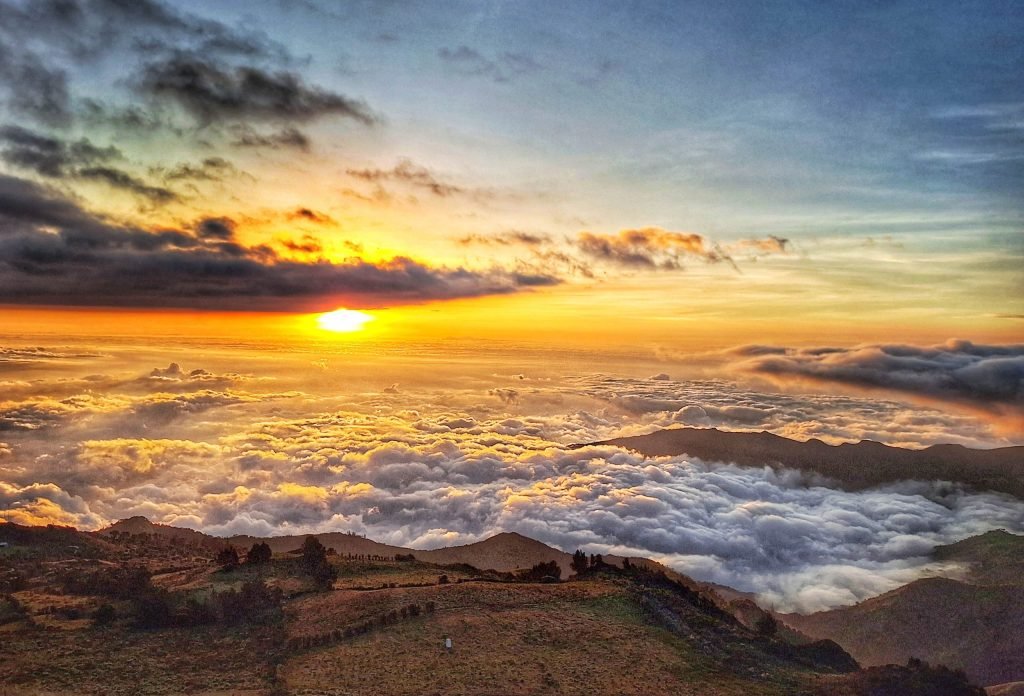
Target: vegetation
259, 554
122, 623
316, 565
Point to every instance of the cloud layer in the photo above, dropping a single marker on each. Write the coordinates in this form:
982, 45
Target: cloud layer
233, 453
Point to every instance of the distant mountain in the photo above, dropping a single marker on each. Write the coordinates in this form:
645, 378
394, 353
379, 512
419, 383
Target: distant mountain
976, 624
855, 465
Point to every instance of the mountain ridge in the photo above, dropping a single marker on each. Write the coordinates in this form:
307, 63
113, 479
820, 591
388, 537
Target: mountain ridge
855, 466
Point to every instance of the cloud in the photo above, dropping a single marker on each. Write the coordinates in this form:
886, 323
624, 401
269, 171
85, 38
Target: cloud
49, 156
403, 478
982, 376
460, 467
27, 356
213, 93
35, 90
55, 158
510, 237
38, 38
309, 215
84, 29
119, 179
769, 245
210, 169
411, 174
54, 252
505, 67
289, 137
649, 247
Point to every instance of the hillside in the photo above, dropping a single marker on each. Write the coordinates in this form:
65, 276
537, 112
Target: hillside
976, 624
105, 625
854, 465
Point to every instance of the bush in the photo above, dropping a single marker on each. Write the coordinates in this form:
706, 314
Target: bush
547, 571
104, 615
119, 583
255, 602
259, 553
227, 559
152, 610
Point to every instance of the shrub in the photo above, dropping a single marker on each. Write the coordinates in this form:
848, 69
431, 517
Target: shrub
545, 571
104, 615
259, 553
227, 558
152, 610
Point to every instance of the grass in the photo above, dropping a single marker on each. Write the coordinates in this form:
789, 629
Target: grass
579, 638
583, 637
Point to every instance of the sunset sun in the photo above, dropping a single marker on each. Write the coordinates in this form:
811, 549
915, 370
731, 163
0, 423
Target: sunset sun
343, 320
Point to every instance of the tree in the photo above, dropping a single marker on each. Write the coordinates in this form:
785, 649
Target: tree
227, 559
259, 553
313, 553
767, 625
315, 563
579, 562
542, 572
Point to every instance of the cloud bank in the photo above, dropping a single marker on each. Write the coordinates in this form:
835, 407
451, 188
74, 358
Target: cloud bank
983, 376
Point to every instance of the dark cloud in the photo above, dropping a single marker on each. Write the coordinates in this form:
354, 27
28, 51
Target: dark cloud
38, 39
409, 173
310, 215
85, 29
213, 93
53, 252
120, 179
222, 228
292, 138
36, 90
30, 150
984, 376
210, 169
504, 67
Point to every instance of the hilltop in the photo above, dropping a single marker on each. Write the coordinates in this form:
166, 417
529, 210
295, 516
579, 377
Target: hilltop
854, 465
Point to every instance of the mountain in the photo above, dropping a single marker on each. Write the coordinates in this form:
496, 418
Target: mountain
854, 465
505, 551
148, 617
975, 624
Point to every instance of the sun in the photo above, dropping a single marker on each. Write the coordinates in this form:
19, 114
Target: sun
343, 320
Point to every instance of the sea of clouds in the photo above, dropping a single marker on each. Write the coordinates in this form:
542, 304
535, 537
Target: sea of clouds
228, 453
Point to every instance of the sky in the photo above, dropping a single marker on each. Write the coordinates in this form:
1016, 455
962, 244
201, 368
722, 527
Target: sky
277, 267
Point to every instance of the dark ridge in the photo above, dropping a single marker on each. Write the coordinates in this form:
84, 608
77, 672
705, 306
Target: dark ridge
854, 465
